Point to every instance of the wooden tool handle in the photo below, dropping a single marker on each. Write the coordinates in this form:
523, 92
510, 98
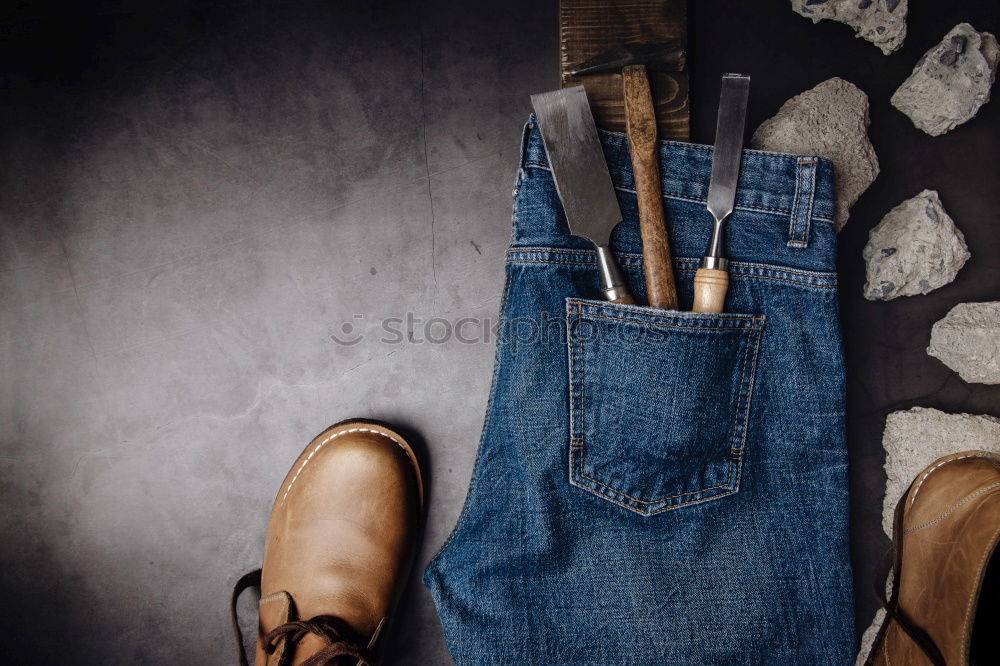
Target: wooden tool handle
640, 125
626, 300
710, 286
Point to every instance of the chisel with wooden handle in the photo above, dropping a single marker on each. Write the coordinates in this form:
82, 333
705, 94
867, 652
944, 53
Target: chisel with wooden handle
711, 281
582, 179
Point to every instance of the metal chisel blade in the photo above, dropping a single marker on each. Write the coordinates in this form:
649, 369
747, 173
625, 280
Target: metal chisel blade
577, 161
728, 145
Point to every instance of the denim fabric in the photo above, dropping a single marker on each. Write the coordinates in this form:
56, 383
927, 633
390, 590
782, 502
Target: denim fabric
661, 487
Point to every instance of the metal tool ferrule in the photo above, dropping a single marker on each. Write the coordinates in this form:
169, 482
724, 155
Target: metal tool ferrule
716, 242
716, 263
613, 285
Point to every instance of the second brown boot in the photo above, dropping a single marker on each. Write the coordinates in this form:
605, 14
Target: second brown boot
945, 541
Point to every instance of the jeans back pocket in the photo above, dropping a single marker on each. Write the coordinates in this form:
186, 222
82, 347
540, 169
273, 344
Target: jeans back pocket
659, 402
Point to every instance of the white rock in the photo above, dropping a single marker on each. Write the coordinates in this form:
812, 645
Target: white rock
868, 638
881, 22
830, 120
967, 340
915, 249
951, 81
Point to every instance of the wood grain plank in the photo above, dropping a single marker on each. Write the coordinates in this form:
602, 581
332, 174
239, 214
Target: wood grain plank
590, 27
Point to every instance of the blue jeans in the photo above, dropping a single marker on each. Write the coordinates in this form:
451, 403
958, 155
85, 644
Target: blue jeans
661, 487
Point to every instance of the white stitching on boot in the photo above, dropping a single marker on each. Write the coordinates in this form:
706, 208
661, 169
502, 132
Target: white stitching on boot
323, 443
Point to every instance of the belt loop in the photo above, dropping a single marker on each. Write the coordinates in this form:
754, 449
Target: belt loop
805, 189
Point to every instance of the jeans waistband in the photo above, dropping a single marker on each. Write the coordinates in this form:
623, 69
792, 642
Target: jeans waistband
800, 186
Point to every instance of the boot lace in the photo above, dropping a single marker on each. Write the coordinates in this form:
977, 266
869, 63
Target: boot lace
343, 644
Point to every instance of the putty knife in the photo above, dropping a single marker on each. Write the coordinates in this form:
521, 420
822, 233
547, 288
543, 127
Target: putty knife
582, 178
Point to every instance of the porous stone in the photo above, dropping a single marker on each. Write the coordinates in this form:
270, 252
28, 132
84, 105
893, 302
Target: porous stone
915, 249
830, 120
881, 22
967, 340
951, 81
913, 439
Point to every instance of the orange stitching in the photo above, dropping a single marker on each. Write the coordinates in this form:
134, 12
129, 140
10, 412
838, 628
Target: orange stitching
708, 149
700, 500
574, 322
677, 326
548, 249
739, 396
662, 499
607, 305
739, 452
574, 442
613, 495
777, 279
793, 224
794, 238
685, 270
753, 374
583, 388
734, 266
752, 323
738, 463
688, 198
548, 261
812, 200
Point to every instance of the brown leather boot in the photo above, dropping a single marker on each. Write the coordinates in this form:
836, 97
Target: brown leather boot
944, 603
340, 543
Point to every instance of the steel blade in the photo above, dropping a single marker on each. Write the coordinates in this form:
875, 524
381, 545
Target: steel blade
577, 162
728, 145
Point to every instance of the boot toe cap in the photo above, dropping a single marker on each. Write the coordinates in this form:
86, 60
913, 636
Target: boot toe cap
949, 483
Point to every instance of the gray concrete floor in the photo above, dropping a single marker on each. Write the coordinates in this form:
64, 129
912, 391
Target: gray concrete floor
193, 202
188, 222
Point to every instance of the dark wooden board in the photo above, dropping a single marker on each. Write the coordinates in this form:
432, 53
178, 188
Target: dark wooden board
590, 27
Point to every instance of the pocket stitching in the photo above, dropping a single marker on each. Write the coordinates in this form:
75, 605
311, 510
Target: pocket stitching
735, 464
753, 322
660, 325
748, 391
581, 448
577, 448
